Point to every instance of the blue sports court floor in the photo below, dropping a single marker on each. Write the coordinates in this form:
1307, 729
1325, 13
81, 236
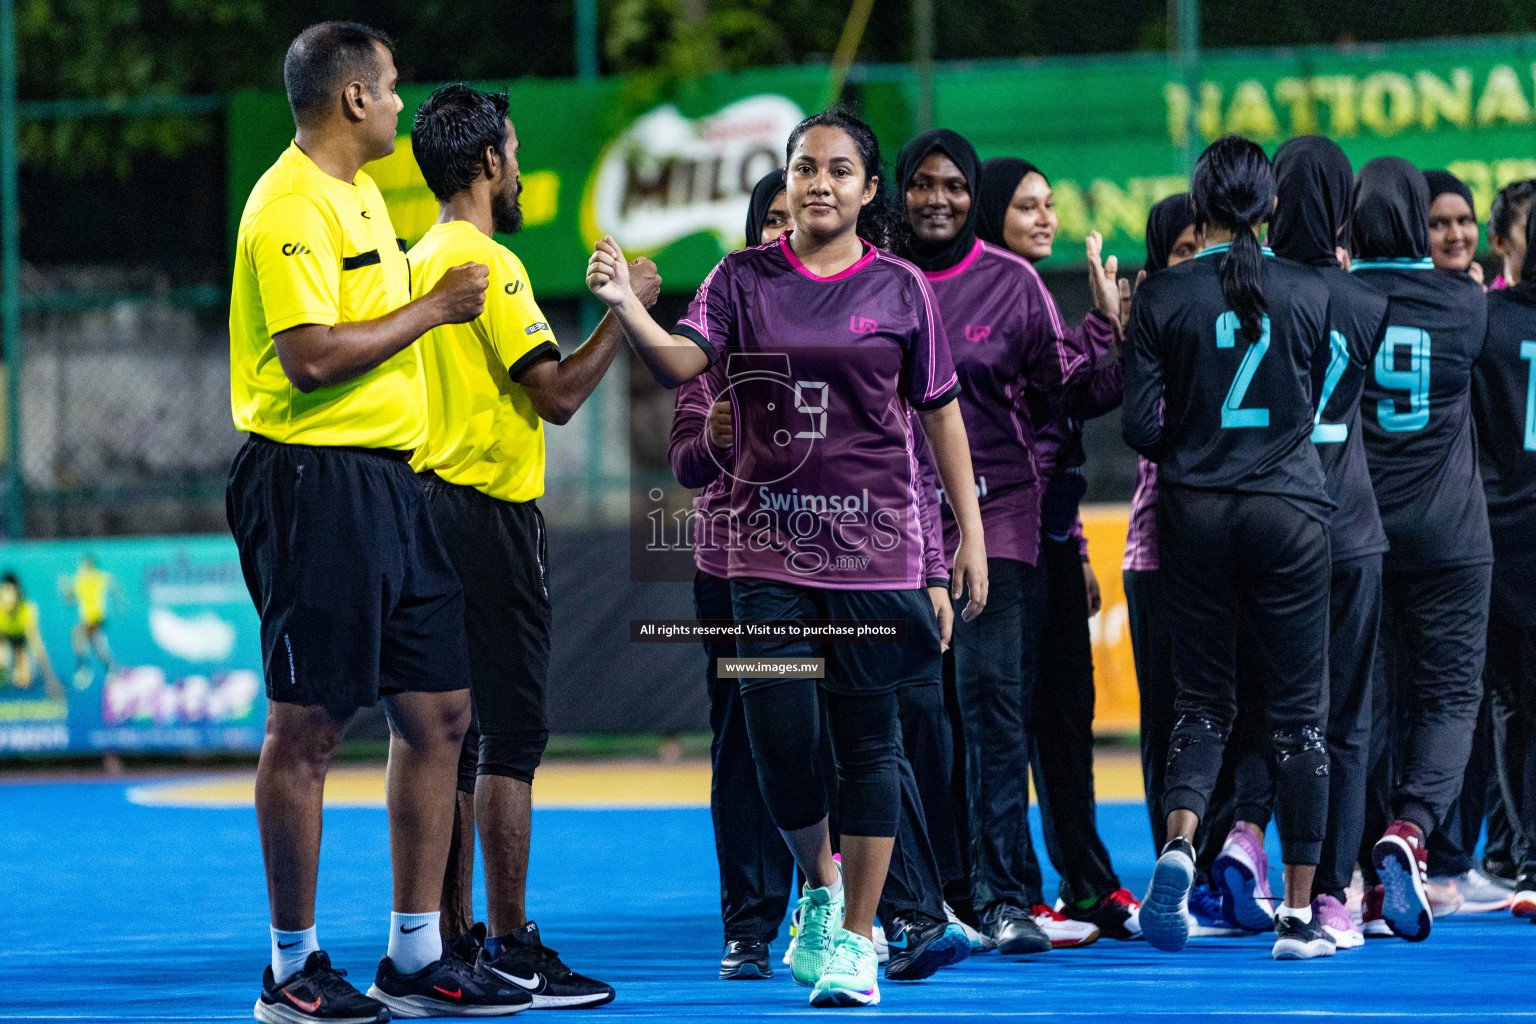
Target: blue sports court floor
115, 911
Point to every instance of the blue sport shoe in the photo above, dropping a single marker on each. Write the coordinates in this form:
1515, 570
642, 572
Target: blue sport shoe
1164, 913
1210, 914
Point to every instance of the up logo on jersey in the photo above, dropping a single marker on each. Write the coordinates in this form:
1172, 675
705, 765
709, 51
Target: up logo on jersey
513, 288
296, 249
978, 333
862, 325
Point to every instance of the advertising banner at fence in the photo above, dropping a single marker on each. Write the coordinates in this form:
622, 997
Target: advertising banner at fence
127, 645
669, 176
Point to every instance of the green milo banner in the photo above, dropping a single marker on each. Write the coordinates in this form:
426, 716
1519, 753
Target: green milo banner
125, 645
669, 177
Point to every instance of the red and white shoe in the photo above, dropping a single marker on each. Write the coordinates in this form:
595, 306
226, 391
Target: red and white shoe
1401, 861
1524, 903
1064, 932
1117, 916
1372, 924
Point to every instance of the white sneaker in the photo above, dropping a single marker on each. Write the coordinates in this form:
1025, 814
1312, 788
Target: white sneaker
852, 974
788, 959
1480, 894
980, 942
1064, 932
882, 948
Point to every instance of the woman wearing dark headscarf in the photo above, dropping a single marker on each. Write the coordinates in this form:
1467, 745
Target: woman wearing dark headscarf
1017, 213
1315, 182
1417, 421
1456, 885
1502, 384
1452, 224
755, 865
1008, 340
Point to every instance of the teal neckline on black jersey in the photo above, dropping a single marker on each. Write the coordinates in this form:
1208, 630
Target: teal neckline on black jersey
1396, 263
1221, 247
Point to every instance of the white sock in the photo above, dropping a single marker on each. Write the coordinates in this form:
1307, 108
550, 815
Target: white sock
836, 888
1302, 914
414, 941
290, 950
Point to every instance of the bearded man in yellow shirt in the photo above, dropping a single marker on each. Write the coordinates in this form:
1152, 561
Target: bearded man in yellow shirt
491, 385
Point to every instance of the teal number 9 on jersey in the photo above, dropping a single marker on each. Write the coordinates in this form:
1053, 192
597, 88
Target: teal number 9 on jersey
1414, 380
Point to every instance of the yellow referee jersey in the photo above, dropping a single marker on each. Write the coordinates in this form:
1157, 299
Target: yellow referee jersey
313, 249
482, 430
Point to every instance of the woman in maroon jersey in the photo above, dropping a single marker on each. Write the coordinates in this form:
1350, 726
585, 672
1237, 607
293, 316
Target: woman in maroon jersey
1017, 212
1013, 344
829, 343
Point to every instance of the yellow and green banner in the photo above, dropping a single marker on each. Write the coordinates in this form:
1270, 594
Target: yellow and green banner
669, 177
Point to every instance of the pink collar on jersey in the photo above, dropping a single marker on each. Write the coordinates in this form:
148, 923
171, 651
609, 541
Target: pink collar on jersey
858, 265
958, 268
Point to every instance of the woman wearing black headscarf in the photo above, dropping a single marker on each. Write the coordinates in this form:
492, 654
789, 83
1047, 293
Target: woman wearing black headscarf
1456, 884
1506, 436
1417, 422
1012, 342
1452, 224
1017, 212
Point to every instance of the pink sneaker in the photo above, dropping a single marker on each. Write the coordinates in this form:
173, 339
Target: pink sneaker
1242, 871
1337, 922
1400, 859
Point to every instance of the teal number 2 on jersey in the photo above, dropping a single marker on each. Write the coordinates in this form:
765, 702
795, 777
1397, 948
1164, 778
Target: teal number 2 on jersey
1226, 337
1528, 353
1338, 361
1414, 380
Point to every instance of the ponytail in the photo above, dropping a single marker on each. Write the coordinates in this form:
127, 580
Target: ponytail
1234, 188
1242, 282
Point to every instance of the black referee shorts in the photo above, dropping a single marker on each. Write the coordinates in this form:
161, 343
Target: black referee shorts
356, 594
501, 552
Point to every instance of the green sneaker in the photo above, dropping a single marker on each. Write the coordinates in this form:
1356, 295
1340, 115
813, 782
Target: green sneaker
820, 914
850, 977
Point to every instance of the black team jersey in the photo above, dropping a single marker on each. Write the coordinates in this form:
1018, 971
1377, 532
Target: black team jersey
1504, 407
1214, 410
1416, 415
1357, 320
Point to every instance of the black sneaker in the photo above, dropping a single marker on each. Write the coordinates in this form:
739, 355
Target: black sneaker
466, 948
920, 945
532, 966
316, 993
1295, 940
446, 987
1014, 932
745, 960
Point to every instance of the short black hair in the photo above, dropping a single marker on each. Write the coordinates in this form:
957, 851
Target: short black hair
324, 58
451, 130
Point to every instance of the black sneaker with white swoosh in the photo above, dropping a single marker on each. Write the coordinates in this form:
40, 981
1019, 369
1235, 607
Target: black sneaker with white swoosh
448, 987
526, 962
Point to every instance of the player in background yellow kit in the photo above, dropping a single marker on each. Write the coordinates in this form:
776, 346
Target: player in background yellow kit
90, 590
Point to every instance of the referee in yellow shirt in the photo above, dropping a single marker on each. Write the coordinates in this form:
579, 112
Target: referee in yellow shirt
358, 600
490, 385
